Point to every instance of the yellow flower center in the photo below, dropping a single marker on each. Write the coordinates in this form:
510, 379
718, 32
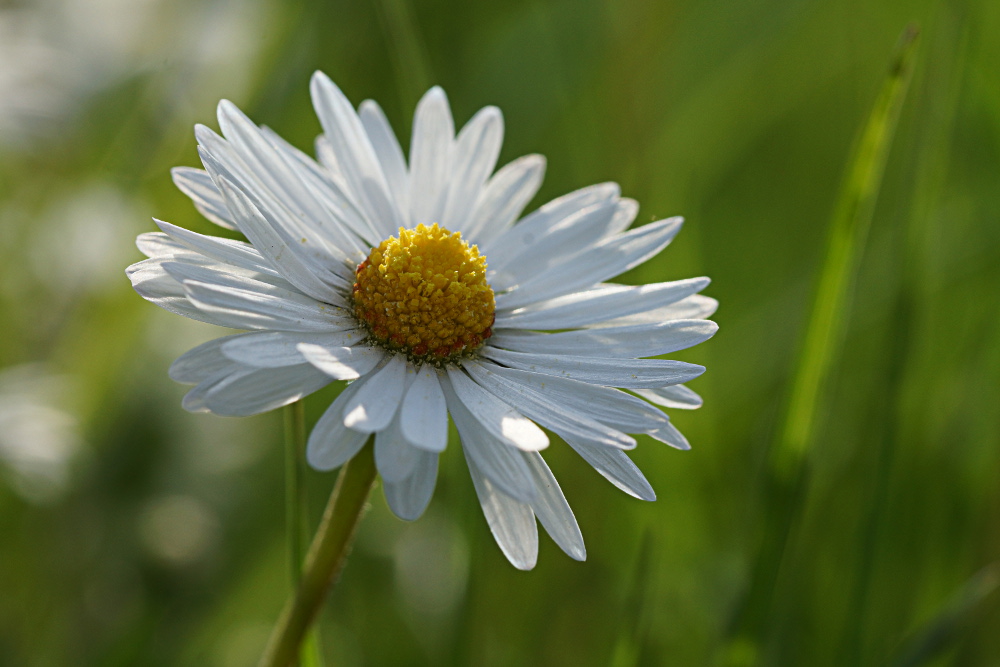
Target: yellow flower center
425, 293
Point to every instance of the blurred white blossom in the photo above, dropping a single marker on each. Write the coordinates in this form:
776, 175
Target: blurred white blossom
39, 440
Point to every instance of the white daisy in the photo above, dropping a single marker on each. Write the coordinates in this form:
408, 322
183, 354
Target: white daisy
413, 282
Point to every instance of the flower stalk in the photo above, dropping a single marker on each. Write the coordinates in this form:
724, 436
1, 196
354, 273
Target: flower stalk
325, 559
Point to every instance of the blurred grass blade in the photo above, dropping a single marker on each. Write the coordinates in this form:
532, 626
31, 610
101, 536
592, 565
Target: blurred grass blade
408, 53
950, 625
848, 232
785, 489
635, 614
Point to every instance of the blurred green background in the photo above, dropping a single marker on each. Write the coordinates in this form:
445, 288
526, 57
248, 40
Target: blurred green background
133, 533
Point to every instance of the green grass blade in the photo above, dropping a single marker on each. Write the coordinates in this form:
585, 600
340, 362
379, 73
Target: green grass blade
848, 232
787, 485
949, 626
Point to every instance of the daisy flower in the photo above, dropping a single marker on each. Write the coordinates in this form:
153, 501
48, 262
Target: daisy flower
416, 282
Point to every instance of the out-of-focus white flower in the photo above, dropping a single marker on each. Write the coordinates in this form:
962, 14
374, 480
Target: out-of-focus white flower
38, 439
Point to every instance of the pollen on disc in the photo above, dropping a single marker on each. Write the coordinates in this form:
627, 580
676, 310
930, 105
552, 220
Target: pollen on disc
424, 292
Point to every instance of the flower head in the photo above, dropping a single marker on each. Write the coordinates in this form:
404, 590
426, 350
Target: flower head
416, 282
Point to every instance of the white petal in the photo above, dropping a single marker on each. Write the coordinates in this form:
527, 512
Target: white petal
157, 245
676, 396
502, 464
606, 260
343, 363
524, 234
560, 243
597, 305
694, 307
394, 457
624, 215
331, 444
547, 412
312, 236
198, 185
264, 389
250, 309
409, 498
200, 269
639, 340
475, 155
202, 362
430, 157
387, 149
223, 250
423, 415
609, 406
512, 522
355, 156
154, 284
624, 373
497, 417
374, 406
283, 252
330, 191
504, 197
616, 467
278, 348
669, 434
553, 511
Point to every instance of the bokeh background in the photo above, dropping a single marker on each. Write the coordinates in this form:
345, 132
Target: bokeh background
133, 533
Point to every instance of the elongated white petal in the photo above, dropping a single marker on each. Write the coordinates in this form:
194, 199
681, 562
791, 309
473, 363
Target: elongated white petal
204, 361
553, 511
548, 412
624, 215
227, 251
374, 406
222, 275
605, 260
600, 304
512, 522
249, 309
342, 363
504, 197
409, 498
430, 157
278, 348
476, 150
264, 389
355, 156
283, 176
198, 185
608, 406
560, 243
154, 284
394, 457
497, 417
388, 151
310, 232
669, 434
534, 225
616, 467
502, 464
331, 444
624, 373
694, 307
423, 415
676, 396
639, 340
279, 248
157, 245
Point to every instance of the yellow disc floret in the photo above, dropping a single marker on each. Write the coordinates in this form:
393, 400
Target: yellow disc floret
425, 293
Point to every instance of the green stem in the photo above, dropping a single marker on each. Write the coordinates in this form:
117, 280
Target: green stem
325, 559
295, 497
